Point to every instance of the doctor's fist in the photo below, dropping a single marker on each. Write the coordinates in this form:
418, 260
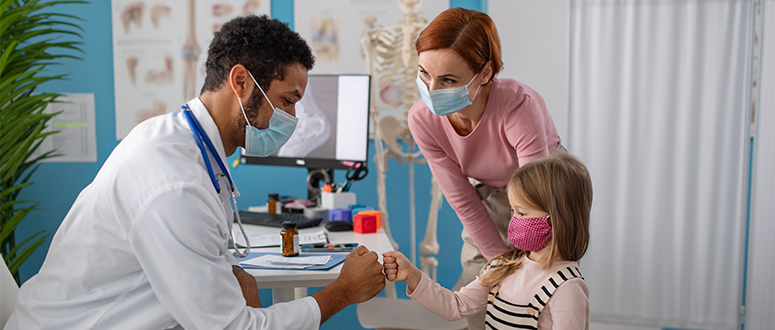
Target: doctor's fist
361, 279
363, 274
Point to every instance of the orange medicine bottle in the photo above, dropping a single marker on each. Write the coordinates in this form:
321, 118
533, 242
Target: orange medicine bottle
290, 239
272, 203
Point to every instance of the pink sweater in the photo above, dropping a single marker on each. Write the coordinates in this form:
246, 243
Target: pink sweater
515, 128
568, 308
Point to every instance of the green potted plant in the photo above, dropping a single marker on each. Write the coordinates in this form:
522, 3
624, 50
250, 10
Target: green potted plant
32, 37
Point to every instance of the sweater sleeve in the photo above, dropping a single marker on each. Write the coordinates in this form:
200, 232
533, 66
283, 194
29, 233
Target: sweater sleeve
569, 306
459, 192
451, 306
525, 128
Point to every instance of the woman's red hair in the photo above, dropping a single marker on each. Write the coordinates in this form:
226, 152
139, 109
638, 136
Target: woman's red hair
470, 33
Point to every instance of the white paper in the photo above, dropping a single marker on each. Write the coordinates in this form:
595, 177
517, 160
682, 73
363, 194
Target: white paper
316, 260
159, 52
77, 138
276, 261
317, 237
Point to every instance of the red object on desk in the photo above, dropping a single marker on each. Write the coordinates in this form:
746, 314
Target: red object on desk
378, 214
365, 223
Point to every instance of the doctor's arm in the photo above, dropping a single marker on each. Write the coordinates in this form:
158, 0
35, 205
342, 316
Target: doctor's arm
181, 230
361, 279
248, 285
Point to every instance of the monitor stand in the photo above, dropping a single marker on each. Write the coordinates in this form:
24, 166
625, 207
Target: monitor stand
314, 176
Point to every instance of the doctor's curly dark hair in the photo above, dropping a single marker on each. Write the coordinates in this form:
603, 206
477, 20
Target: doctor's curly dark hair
263, 45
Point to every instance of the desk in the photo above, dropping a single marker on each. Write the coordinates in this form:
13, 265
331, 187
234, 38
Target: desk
287, 285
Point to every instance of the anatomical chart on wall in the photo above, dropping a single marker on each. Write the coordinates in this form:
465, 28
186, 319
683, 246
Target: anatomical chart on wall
76, 137
159, 52
334, 28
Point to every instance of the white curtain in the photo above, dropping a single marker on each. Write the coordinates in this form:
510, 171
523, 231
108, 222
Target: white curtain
657, 110
760, 299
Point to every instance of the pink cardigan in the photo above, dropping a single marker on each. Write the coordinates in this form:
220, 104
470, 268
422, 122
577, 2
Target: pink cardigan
568, 308
515, 128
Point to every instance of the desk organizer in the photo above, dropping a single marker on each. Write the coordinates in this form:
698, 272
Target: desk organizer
338, 200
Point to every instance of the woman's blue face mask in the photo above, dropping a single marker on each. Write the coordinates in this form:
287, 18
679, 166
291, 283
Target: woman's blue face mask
444, 102
264, 142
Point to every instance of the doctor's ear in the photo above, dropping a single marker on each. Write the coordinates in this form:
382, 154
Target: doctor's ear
239, 81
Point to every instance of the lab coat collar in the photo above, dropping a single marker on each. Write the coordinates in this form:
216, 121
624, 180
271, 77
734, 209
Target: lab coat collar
204, 118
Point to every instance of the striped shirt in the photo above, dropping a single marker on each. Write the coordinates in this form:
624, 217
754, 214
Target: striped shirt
567, 309
502, 314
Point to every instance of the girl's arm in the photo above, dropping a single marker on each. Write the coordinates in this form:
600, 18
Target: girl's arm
569, 305
449, 305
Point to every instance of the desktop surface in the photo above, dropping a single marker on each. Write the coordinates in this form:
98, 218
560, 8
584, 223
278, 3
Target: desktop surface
283, 278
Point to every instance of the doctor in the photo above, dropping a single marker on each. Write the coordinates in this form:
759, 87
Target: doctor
144, 246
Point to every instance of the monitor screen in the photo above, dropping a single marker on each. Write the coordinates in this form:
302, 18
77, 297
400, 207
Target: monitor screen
333, 127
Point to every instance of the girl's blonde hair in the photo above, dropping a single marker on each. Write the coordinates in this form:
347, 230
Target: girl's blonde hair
559, 185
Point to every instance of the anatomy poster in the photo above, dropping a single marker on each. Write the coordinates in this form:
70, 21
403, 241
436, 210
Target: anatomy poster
334, 28
159, 52
76, 140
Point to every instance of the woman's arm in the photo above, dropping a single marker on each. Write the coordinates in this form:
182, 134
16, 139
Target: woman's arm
460, 194
528, 129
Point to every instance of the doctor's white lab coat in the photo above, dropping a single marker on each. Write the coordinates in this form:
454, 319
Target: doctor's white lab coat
144, 246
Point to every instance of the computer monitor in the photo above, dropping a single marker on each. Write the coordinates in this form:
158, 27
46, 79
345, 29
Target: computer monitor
333, 128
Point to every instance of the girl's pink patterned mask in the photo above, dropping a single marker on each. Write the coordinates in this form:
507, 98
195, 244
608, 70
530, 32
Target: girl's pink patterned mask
530, 234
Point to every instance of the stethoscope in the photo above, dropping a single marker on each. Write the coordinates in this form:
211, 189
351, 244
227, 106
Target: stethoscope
200, 135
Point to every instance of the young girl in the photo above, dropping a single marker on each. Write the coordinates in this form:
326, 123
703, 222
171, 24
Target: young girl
536, 285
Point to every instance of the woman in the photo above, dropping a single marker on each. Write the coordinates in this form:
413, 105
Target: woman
475, 130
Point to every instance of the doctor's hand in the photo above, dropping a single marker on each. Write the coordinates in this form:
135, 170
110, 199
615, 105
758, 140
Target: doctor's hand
363, 272
361, 279
399, 268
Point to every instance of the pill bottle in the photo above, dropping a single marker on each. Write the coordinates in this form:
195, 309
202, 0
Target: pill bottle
290, 239
272, 203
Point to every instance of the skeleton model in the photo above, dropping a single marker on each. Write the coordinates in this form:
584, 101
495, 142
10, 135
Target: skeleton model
392, 61
191, 51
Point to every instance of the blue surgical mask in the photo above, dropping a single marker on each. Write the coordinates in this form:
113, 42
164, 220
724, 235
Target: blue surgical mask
444, 102
264, 142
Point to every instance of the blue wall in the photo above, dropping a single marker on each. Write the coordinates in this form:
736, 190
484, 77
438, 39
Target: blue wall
58, 184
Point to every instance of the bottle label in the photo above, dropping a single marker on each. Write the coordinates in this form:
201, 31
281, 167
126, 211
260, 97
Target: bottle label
295, 244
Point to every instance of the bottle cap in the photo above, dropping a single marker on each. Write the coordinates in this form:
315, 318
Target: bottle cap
289, 224
274, 196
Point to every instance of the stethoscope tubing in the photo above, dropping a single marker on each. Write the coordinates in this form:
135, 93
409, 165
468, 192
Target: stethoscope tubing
200, 135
